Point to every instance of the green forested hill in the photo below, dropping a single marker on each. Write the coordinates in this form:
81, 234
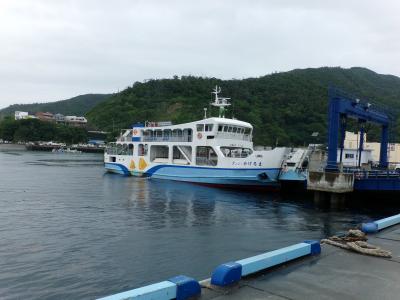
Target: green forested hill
79, 105
283, 107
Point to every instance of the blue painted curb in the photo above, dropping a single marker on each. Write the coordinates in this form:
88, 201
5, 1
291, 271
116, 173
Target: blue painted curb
232, 272
369, 227
315, 246
164, 290
387, 222
186, 287
180, 287
375, 226
226, 274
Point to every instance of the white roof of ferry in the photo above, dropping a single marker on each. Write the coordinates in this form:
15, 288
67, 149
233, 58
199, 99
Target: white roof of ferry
208, 120
226, 121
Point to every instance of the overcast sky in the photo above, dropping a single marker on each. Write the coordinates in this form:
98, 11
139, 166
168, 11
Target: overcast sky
52, 50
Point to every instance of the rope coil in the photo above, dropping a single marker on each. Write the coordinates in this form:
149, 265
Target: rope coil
355, 240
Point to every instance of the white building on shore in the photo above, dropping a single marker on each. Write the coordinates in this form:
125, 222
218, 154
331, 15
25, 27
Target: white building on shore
352, 141
350, 157
21, 115
75, 121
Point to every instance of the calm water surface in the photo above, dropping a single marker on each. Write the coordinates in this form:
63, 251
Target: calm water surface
70, 231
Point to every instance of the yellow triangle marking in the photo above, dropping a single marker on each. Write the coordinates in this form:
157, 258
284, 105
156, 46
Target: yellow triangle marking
142, 164
132, 165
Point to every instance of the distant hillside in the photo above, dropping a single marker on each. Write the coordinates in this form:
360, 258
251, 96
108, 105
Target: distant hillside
79, 105
283, 107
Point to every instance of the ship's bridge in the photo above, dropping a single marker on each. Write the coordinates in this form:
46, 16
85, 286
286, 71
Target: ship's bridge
222, 128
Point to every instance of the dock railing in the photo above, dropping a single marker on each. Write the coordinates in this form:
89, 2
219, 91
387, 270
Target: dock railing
376, 174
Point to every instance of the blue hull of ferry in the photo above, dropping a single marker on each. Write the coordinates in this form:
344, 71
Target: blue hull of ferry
293, 176
117, 168
266, 178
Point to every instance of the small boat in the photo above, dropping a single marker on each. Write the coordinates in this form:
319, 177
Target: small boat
66, 150
214, 151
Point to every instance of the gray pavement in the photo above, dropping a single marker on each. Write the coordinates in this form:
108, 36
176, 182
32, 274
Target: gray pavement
334, 274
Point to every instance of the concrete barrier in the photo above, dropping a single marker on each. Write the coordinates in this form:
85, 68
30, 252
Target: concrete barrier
183, 287
179, 287
232, 272
390, 221
373, 227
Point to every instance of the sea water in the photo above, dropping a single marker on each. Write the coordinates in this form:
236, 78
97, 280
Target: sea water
68, 230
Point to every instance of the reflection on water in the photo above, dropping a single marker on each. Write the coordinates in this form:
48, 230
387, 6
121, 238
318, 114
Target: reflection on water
70, 231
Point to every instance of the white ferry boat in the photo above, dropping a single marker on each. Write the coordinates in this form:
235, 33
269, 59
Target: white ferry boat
212, 151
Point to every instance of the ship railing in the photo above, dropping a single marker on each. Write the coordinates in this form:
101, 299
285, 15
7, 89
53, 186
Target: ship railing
127, 138
233, 136
167, 139
125, 135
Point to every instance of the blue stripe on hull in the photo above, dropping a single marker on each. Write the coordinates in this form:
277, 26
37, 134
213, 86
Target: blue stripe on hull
242, 177
117, 168
206, 175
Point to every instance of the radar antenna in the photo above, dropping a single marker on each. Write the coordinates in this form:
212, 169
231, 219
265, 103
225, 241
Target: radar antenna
220, 102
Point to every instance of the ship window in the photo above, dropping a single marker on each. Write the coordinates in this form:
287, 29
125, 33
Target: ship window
209, 127
122, 149
110, 149
182, 155
167, 134
234, 129
130, 149
187, 135
177, 133
158, 133
230, 129
247, 130
142, 150
225, 128
236, 152
119, 149
159, 154
349, 155
200, 127
220, 127
206, 156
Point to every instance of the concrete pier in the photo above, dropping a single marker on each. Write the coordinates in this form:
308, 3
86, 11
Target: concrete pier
299, 271
334, 274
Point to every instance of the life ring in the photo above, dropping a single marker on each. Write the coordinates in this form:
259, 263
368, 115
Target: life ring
199, 135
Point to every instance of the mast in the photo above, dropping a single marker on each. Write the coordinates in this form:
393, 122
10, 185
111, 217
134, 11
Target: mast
220, 102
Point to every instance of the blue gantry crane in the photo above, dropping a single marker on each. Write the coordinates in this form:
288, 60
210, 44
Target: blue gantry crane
334, 180
342, 107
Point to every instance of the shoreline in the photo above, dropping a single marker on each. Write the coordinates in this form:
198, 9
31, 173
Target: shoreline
12, 147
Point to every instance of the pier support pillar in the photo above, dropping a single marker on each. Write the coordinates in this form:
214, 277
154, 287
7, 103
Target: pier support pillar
337, 200
320, 198
383, 155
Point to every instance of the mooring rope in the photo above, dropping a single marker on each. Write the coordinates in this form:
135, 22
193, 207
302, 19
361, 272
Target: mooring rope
355, 240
